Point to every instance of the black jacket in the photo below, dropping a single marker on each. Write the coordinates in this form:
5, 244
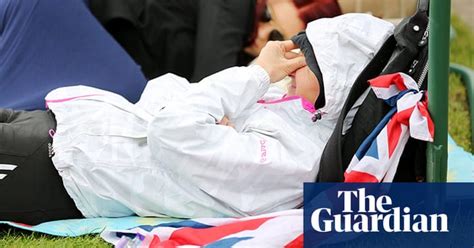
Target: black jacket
191, 38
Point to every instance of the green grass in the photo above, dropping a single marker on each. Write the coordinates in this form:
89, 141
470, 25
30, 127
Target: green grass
18, 239
462, 52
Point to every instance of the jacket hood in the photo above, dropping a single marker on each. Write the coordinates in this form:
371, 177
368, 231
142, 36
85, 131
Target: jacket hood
337, 50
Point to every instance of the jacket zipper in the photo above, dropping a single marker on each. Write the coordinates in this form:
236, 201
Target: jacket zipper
423, 75
423, 42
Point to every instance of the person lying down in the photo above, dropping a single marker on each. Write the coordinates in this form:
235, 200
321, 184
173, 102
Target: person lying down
175, 153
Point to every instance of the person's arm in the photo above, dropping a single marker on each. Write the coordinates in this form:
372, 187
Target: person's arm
236, 168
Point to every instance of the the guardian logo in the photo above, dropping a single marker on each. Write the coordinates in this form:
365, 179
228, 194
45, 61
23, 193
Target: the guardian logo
374, 215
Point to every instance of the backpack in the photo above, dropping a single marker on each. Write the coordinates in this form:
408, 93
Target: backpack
405, 51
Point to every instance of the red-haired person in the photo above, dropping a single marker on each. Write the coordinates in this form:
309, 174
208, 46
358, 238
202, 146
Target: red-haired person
282, 19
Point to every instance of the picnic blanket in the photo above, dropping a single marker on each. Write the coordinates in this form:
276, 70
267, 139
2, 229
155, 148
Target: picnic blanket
460, 163
279, 229
78, 227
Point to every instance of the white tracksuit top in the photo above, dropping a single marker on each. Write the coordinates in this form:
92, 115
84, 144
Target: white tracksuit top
165, 155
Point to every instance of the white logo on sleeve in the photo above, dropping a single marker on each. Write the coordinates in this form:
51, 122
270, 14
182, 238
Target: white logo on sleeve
6, 167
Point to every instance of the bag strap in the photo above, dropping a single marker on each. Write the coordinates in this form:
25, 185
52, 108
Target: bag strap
373, 69
423, 6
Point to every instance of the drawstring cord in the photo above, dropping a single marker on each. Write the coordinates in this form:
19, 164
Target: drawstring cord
318, 115
51, 133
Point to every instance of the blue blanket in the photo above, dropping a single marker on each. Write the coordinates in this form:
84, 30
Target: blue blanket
78, 227
460, 163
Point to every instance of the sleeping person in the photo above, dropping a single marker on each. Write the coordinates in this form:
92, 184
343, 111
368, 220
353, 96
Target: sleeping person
231, 145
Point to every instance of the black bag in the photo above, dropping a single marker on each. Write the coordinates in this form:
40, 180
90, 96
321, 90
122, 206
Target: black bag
31, 190
405, 51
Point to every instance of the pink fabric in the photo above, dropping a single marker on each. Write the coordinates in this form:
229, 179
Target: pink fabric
68, 99
308, 106
51, 133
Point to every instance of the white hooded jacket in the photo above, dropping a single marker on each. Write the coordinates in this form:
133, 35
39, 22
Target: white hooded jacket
165, 155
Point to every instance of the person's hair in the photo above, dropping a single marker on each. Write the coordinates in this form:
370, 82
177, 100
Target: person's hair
310, 10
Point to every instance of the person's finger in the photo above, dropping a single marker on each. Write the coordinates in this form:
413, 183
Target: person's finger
295, 64
288, 45
292, 55
224, 121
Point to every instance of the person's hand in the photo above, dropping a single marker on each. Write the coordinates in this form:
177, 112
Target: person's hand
278, 61
226, 122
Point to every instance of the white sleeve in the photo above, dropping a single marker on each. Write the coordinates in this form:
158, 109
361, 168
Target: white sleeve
250, 172
228, 92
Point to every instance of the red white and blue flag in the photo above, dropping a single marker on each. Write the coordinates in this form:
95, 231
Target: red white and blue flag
280, 229
377, 158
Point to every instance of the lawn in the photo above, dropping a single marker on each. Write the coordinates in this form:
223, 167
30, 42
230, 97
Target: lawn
18, 239
462, 52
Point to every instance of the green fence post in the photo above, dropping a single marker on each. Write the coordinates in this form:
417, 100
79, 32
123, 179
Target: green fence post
437, 154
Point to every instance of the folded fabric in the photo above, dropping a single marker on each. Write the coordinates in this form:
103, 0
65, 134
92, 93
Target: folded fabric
280, 229
79, 227
377, 158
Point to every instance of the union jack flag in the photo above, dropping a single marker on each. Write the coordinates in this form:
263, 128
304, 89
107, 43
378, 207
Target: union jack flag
377, 158
280, 229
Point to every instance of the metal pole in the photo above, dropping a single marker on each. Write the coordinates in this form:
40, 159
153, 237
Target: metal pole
437, 156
